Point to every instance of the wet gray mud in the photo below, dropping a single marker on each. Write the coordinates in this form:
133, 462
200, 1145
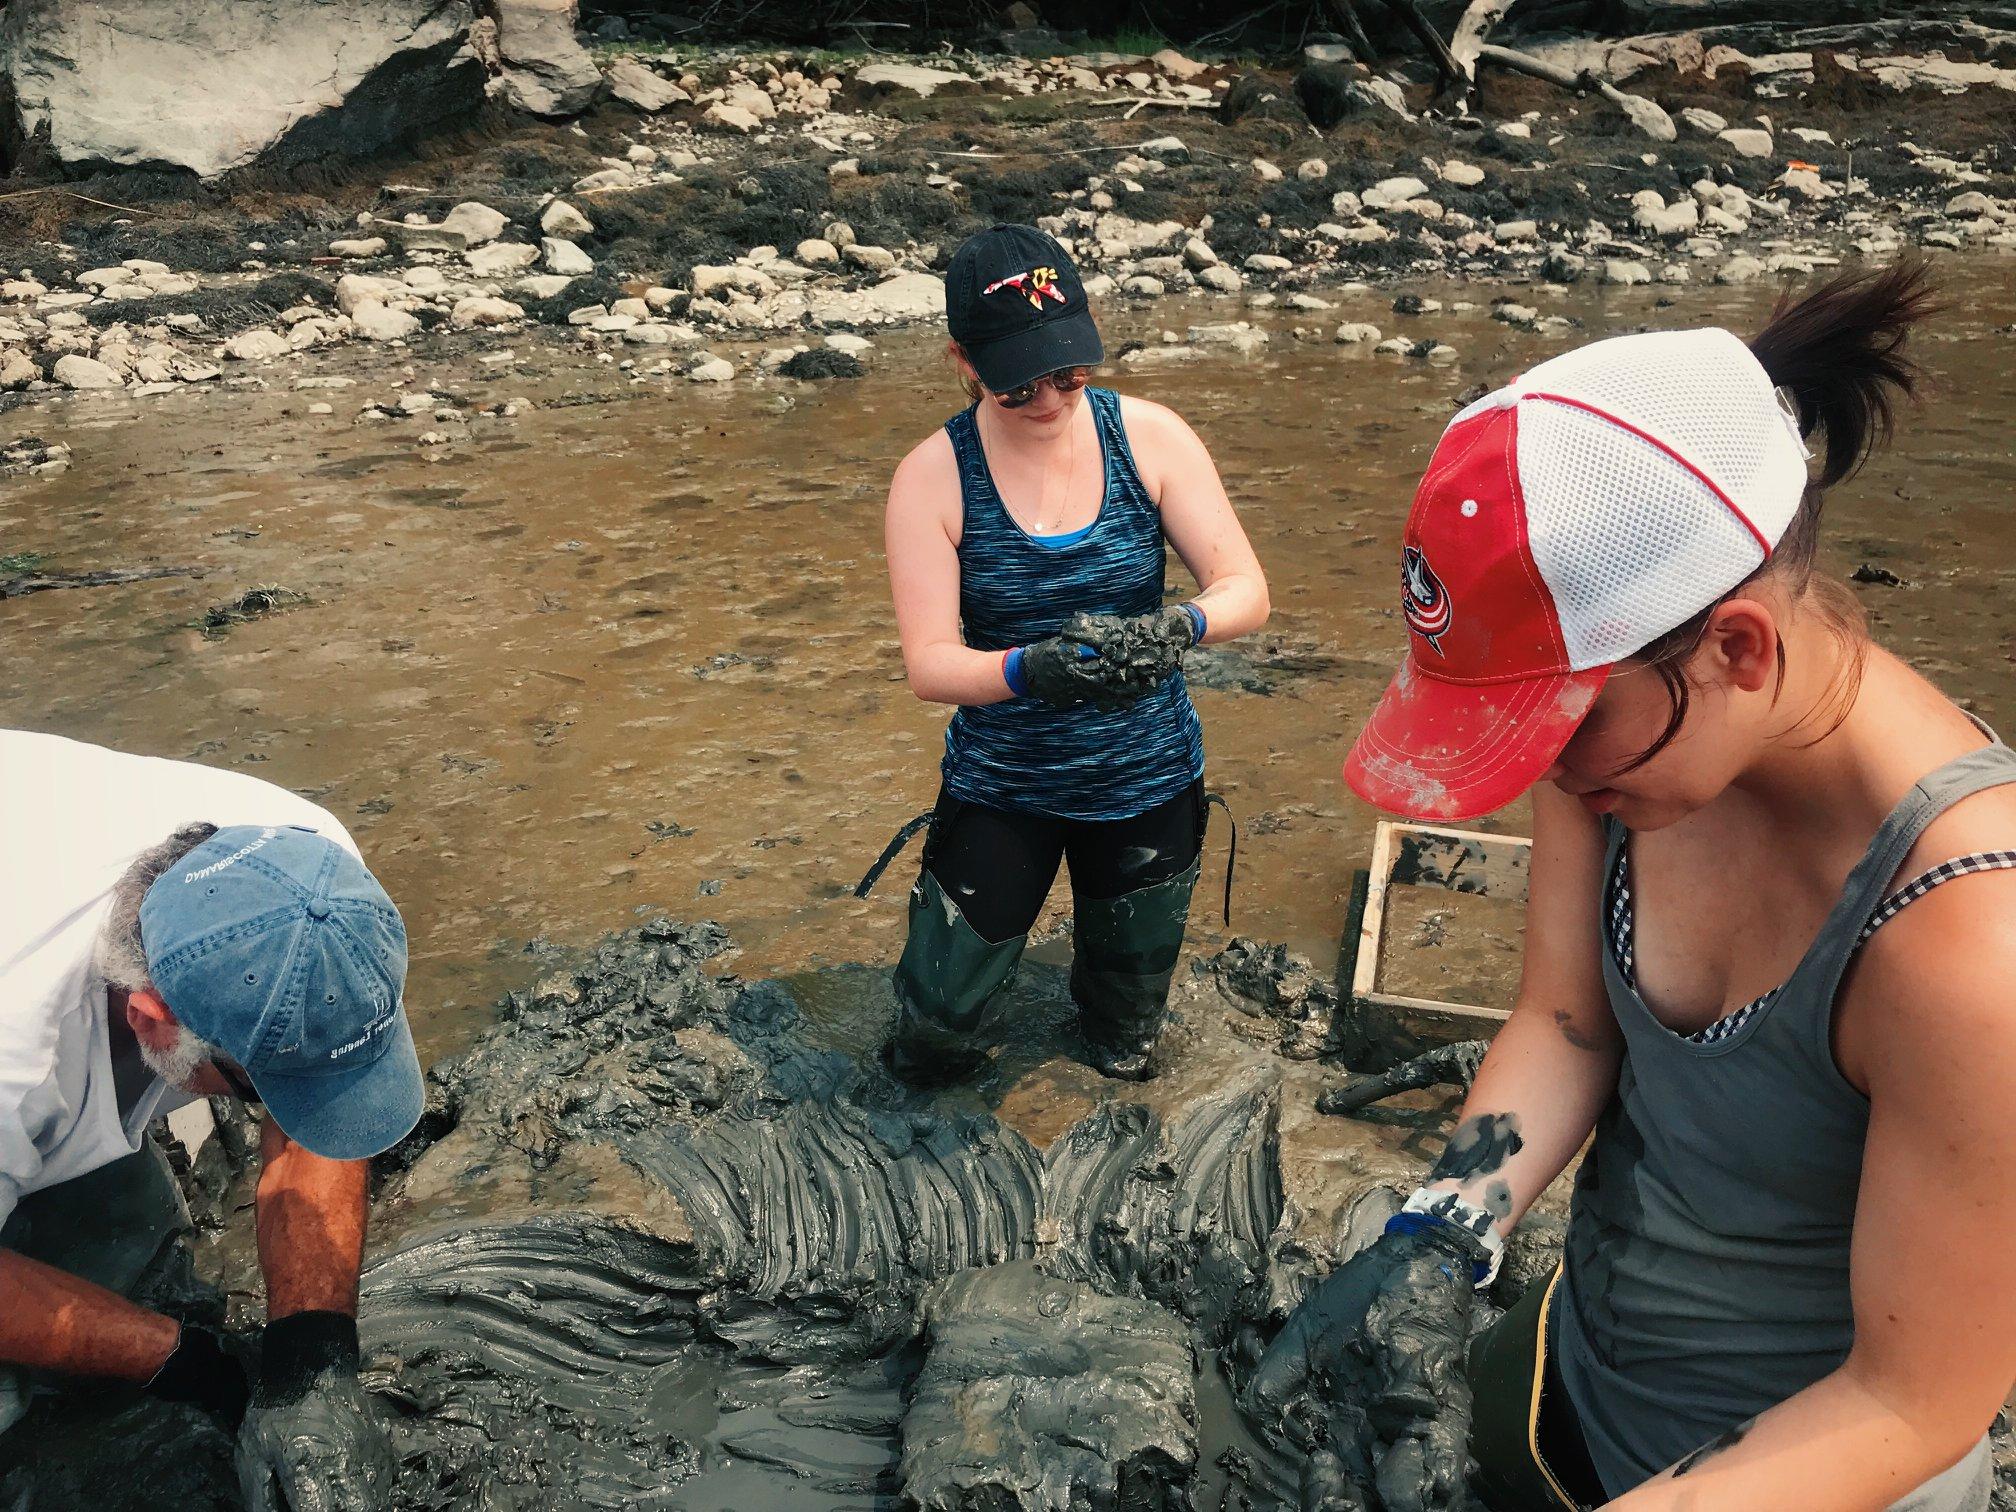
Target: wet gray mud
667, 1238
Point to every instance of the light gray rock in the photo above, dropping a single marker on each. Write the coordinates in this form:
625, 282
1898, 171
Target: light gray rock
1354, 332
606, 178
643, 333
17, 370
353, 289
1311, 169
1625, 271
914, 78
78, 372
636, 309
848, 342
1164, 147
1267, 262
501, 259
209, 87
1739, 269
541, 285
476, 221
816, 252
1221, 278
641, 89
256, 346
1680, 219
874, 259
546, 71
1143, 286
1704, 122
484, 310
380, 322
712, 370
100, 279
1241, 336
358, 246
1516, 230
563, 257
1650, 118
1970, 203
1389, 192
1749, 141
1267, 171
1463, 175
711, 280
420, 236
839, 233
561, 219
733, 117
1197, 253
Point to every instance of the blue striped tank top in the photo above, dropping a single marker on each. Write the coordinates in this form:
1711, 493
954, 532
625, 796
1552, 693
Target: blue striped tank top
1014, 588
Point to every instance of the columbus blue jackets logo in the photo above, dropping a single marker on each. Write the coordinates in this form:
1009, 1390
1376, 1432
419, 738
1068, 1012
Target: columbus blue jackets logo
1423, 598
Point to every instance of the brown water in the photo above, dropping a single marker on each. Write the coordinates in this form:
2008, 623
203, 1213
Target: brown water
662, 604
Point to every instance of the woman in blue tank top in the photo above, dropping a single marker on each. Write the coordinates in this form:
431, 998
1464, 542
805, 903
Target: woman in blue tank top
1770, 963
1026, 551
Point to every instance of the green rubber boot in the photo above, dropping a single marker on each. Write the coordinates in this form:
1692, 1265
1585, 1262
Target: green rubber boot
944, 982
1125, 957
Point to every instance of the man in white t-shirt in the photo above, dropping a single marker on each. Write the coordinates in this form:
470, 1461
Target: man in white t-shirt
170, 931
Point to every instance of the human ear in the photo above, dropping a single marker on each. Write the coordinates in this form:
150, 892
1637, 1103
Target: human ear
1741, 646
149, 1017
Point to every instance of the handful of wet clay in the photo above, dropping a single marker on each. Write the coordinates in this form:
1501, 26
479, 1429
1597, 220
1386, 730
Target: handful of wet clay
1369, 1376
1106, 660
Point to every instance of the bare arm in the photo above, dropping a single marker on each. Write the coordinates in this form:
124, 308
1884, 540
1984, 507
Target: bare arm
1554, 1064
923, 555
311, 1227
52, 1320
1199, 520
1933, 1283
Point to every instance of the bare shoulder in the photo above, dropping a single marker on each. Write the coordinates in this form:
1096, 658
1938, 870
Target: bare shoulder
926, 482
1148, 421
1933, 986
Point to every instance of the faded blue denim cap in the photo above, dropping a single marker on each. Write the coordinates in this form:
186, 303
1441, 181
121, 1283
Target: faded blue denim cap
279, 947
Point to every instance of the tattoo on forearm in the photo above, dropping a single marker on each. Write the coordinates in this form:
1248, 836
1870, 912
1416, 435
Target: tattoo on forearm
1479, 1147
1712, 1448
1565, 1022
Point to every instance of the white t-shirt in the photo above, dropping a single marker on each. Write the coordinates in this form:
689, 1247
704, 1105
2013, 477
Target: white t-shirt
73, 819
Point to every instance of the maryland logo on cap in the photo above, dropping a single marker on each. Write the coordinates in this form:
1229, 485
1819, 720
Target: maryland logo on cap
1035, 285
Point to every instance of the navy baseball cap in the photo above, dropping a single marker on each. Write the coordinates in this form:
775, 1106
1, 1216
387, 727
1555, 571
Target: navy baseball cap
278, 946
1017, 308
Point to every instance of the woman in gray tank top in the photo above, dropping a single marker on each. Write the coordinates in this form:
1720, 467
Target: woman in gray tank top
1750, 983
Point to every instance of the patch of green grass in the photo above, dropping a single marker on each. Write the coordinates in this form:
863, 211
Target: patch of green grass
15, 563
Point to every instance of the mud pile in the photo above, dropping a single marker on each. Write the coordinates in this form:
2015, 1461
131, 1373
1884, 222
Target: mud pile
657, 1244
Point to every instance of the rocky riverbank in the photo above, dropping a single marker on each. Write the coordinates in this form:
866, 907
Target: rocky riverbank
723, 212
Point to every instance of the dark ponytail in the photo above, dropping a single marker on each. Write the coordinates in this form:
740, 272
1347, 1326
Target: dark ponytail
1839, 353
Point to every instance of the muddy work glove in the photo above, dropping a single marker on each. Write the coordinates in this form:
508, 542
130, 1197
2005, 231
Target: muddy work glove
312, 1441
1370, 1370
204, 1372
1104, 659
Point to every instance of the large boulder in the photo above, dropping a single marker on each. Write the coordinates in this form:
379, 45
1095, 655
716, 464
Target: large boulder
546, 71
208, 86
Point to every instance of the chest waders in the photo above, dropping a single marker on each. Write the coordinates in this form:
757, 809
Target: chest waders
1126, 944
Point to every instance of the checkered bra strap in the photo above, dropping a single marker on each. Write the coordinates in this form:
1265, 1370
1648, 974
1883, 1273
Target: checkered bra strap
1938, 876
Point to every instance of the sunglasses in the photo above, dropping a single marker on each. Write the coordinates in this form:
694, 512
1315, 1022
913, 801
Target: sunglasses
238, 1081
1065, 380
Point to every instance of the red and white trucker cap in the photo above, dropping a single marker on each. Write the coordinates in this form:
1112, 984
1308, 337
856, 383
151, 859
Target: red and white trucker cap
1566, 521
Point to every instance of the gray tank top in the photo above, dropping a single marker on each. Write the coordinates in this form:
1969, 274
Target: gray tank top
1706, 1270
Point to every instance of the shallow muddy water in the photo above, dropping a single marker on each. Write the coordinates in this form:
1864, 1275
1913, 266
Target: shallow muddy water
630, 649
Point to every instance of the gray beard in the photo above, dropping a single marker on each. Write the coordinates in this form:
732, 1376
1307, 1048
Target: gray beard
179, 1064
